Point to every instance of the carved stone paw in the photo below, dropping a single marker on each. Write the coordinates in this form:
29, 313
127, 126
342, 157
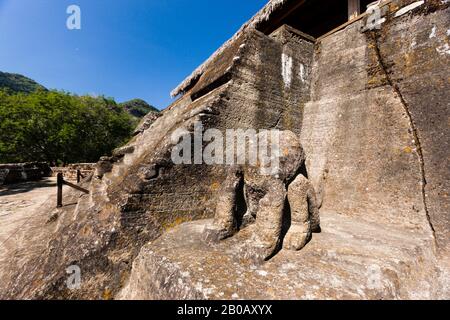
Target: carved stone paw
247, 219
297, 237
259, 250
213, 235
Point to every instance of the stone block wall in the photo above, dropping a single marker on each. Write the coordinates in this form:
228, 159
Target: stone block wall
138, 194
70, 171
22, 172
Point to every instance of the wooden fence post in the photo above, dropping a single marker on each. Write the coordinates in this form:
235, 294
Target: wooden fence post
59, 182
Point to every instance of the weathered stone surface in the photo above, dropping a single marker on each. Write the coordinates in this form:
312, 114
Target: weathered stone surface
382, 103
374, 135
147, 121
304, 213
226, 221
28, 219
360, 146
350, 259
415, 51
127, 208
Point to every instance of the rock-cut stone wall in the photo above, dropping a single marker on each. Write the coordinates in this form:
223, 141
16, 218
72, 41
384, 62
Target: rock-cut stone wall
260, 82
372, 111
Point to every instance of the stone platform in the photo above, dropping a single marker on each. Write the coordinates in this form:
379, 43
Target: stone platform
350, 259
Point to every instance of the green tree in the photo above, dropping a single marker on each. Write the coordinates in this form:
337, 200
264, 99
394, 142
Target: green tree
58, 127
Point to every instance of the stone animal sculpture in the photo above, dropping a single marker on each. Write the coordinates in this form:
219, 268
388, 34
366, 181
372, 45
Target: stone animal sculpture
268, 198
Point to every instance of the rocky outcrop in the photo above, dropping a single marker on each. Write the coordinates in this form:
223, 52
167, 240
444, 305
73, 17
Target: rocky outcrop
349, 259
372, 156
135, 196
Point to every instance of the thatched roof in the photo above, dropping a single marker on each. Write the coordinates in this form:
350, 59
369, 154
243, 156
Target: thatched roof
261, 17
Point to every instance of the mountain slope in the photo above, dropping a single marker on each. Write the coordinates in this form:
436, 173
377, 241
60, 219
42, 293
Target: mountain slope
18, 83
138, 108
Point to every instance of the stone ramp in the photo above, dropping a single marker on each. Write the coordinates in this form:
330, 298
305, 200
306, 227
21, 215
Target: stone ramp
28, 219
350, 259
18, 204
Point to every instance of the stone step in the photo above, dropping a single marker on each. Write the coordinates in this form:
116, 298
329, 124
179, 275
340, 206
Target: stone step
350, 259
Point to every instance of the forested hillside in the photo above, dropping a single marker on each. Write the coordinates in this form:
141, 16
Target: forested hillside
18, 83
37, 124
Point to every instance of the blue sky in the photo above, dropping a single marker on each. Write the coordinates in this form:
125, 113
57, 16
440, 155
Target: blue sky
126, 48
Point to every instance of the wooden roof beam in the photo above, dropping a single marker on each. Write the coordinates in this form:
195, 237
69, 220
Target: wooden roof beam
279, 20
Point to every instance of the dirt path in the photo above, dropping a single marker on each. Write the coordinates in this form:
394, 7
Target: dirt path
26, 225
22, 221
19, 202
